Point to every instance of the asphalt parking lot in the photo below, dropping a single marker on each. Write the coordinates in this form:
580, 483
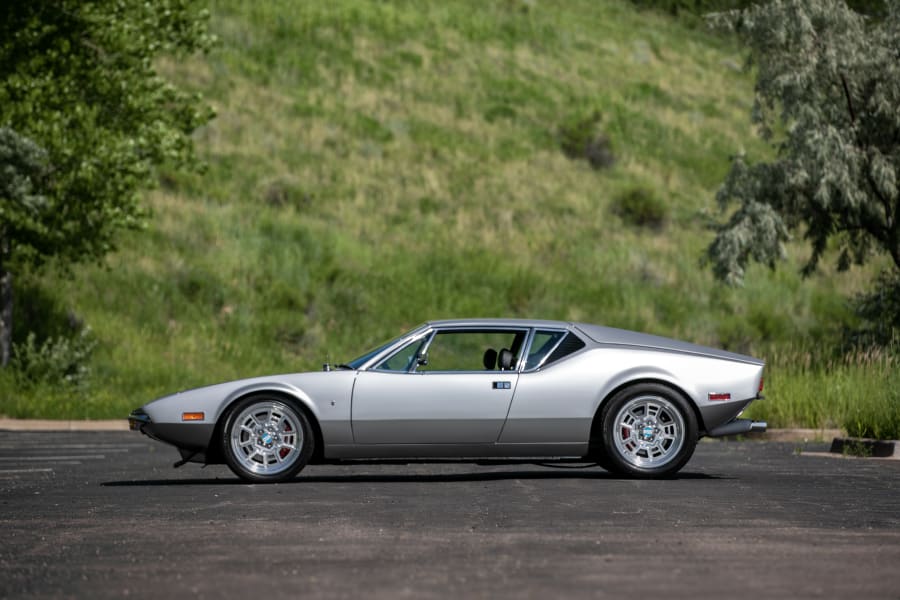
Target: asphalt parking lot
103, 514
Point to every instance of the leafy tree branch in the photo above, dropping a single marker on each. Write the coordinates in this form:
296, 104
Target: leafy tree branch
85, 123
829, 78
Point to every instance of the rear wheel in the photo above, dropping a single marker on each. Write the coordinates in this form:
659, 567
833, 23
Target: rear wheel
266, 439
649, 430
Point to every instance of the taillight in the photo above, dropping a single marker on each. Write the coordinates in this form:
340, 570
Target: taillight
761, 380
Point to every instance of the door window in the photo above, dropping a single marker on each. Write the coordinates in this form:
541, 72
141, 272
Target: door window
473, 350
403, 359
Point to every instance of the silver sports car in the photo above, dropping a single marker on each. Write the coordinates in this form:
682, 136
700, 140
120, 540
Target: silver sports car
471, 390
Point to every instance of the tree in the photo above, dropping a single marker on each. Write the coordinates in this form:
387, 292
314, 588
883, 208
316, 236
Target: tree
827, 96
85, 124
22, 170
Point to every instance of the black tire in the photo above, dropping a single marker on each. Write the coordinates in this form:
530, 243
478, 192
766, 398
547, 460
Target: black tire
648, 430
266, 439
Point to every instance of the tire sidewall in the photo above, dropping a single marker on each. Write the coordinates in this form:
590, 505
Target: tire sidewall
234, 463
614, 461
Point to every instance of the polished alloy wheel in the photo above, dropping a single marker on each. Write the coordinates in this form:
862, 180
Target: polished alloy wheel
648, 431
267, 438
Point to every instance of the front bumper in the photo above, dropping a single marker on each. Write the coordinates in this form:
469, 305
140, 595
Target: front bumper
138, 419
191, 436
191, 440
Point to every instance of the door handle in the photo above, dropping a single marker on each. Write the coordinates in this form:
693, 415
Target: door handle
502, 385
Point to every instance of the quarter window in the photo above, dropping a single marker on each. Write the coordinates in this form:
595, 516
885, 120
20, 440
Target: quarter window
553, 345
541, 345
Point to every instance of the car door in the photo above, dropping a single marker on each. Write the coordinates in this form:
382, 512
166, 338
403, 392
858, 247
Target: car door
450, 387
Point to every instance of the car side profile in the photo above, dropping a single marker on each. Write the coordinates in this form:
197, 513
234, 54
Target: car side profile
471, 389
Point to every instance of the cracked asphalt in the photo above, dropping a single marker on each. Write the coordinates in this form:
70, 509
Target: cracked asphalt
103, 514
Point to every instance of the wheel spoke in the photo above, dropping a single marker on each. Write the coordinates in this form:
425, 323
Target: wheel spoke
648, 431
277, 448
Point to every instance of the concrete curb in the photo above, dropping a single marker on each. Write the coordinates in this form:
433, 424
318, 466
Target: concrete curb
865, 447
54, 425
796, 435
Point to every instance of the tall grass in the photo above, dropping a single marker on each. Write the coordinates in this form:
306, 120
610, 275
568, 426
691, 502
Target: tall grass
859, 392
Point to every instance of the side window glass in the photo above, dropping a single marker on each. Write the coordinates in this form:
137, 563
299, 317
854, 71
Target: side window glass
473, 350
569, 345
403, 359
541, 345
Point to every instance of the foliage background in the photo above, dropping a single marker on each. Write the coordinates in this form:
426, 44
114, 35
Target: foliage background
375, 165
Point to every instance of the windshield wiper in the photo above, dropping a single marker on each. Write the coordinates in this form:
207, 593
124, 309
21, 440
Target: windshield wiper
344, 366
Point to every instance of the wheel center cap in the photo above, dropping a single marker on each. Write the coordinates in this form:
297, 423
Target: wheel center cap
647, 432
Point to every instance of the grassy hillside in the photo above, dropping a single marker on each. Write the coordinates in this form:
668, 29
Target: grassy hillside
377, 164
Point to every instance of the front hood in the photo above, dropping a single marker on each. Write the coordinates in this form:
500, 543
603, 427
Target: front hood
213, 398
623, 337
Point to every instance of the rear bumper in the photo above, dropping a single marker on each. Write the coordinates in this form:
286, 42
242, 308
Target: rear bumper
738, 427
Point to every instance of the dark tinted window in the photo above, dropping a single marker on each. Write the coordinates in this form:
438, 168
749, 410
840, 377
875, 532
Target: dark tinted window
542, 343
570, 345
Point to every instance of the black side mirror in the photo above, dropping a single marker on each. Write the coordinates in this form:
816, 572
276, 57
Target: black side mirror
422, 359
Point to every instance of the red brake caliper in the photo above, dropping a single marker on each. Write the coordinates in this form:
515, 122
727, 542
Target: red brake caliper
284, 451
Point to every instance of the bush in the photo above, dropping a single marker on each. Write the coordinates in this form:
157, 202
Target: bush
879, 312
641, 207
581, 137
58, 360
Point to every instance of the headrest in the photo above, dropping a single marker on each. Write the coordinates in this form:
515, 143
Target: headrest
490, 359
506, 360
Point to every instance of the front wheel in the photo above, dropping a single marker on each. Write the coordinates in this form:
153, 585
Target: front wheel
649, 430
266, 440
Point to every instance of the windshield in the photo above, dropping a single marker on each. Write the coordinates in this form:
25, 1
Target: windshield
356, 363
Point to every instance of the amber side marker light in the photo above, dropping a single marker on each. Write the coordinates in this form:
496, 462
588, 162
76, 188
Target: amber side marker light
195, 416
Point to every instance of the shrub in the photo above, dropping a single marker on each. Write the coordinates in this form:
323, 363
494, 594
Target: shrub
879, 312
641, 207
58, 360
580, 137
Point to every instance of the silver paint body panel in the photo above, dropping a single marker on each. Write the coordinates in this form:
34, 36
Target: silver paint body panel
430, 408
547, 412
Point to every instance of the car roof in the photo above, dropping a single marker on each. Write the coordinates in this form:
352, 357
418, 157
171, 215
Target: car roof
500, 323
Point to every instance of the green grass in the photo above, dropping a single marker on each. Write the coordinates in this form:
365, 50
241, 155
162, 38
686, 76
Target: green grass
859, 393
377, 164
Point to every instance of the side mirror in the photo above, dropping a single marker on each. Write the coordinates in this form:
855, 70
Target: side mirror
422, 359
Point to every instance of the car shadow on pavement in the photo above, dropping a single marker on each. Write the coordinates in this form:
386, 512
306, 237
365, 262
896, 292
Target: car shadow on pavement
417, 478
